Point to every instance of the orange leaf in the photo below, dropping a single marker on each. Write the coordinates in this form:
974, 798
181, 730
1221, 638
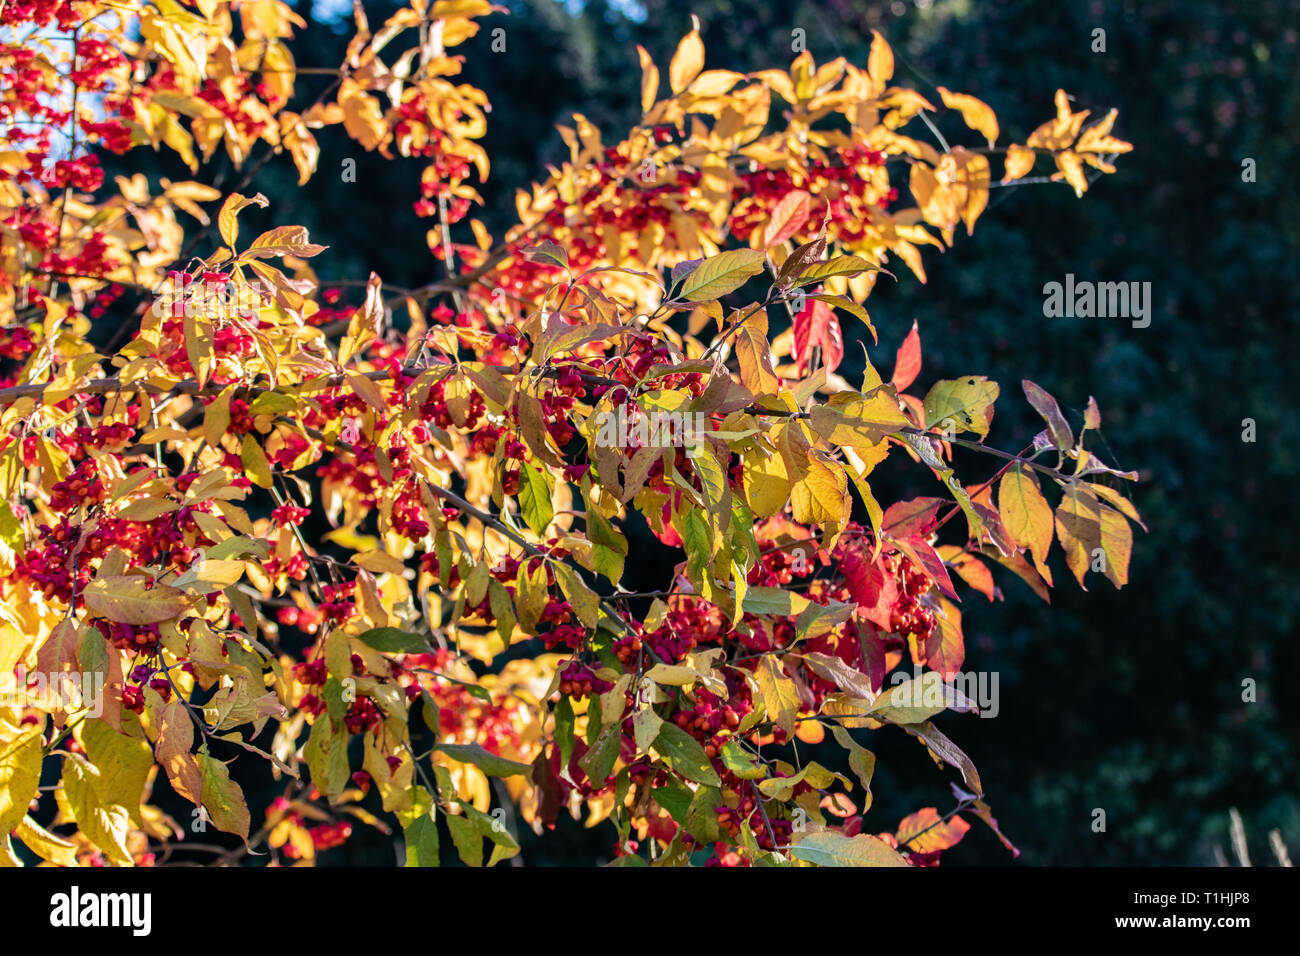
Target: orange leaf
924, 833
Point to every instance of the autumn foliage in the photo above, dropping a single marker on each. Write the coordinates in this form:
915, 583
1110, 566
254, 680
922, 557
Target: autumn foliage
456, 640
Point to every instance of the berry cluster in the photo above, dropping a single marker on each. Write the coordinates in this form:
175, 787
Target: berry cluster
578, 680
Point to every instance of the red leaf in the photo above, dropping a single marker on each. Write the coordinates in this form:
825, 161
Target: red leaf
945, 649
816, 325
669, 535
915, 518
928, 558
870, 585
873, 655
907, 364
789, 216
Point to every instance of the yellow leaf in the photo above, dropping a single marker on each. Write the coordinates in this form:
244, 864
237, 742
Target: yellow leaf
832, 848
1097, 138
1025, 512
226, 221
754, 355
175, 738
688, 60
381, 562
216, 417
1019, 161
880, 63
365, 322
362, 116
127, 599
124, 761
256, 465
1058, 133
20, 774
780, 696
198, 343
767, 486
1078, 526
45, 844
1116, 545
1071, 167
284, 241
649, 80
977, 114
302, 145
100, 820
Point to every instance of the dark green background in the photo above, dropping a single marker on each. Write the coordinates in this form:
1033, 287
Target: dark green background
1126, 701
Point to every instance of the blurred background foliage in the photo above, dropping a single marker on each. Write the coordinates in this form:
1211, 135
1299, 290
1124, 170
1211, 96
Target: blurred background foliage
1126, 701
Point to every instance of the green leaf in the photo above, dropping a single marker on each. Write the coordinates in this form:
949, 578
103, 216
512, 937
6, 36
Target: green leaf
627, 860
393, 640
586, 605
548, 252
741, 762
964, 404
598, 761
503, 844
272, 403
831, 848
237, 546
918, 699
839, 266
503, 609
701, 815
468, 830
861, 761
609, 547
723, 273
326, 753
675, 798
697, 540
535, 498
469, 842
11, 530
223, 798
765, 600
488, 762
818, 619
817, 776
685, 755
564, 722
420, 828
